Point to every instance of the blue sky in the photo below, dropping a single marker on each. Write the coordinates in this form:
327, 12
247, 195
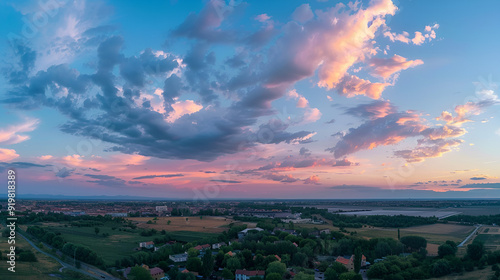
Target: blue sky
251, 99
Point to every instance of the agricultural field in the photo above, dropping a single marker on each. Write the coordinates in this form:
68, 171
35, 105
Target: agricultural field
205, 224
427, 213
40, 270
490, 236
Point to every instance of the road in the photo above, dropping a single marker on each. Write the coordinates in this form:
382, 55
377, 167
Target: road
469, 237
88, 270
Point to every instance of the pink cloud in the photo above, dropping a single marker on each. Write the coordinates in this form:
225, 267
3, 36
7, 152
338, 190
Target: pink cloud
181, 108
262, 18
386, 67
12, 134
352, 85
302, 102
8, 154
312, 180
428, 149
46, 157
419, 39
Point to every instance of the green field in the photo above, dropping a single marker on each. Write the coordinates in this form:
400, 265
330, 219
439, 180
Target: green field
491, 241
119, 243
478, 274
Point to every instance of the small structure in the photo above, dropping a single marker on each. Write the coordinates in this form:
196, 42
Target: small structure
348, 262
218, 245
244, 232
147, 245
242, 274
202, 247
179, 257
157, 273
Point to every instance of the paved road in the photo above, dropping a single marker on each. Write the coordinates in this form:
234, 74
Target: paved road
88, 270
469, 237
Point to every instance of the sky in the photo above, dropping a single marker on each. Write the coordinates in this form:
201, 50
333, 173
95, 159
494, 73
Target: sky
209, 100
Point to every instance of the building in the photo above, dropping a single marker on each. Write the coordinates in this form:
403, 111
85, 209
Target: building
244, 232
348, 262
218, 245
116, 215
157, 273
179, 257
242, 274
202, 247
147, 245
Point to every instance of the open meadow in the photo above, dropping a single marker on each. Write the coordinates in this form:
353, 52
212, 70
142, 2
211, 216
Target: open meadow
205, 224
490, 236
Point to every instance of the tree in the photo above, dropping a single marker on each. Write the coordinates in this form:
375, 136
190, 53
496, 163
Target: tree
357, 259
193, 264
399, 235
276, 267
227, 274
446, 250
440, 268
207, 264
140, 273
331, 274
274, 276
475, 250
414, 243
348, 276
96, 230
168, 222
303, 276
339, 268
233, 264
377, 271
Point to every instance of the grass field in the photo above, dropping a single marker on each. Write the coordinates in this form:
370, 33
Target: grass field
195, 224
121, 243
40, 270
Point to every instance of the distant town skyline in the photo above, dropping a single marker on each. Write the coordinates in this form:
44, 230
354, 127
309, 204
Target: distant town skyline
231, 99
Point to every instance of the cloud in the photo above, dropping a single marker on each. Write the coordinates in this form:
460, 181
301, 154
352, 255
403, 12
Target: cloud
387, 130
12, 134
46, 157
373, 110
106, 180
330, 121
419, 39
8, 154
64, 172
262, 17
304, 151
181, 108
303, 13
351, 86
312, 180
386, 67
281, 178
402, 37
432, 149
227, 181
481, 186
5, 165
158, 176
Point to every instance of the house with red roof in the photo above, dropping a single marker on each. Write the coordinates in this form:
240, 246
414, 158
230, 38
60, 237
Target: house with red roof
348, 262
243, 274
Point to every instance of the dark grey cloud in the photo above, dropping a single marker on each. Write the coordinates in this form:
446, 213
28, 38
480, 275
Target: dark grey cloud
105, 180
64, 172
158, 176
19, 164
481, 186
227, 181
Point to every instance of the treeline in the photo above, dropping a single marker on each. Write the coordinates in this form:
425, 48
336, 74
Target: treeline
417, 266
471, 220
399, 221
84, 220
55, 240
